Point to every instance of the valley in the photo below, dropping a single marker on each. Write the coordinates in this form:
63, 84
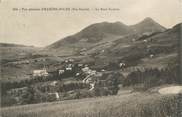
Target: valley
105, 62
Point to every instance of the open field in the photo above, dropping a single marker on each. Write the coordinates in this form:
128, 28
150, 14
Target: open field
122, 105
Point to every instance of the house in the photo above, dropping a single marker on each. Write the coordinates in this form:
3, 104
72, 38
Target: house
151, 56
80, 65
92, 85
103, 70
55, 95
42, 72
61, 71
145, 41
121, 65
71, 60
77, 74
54, 83
66, 61
68, 69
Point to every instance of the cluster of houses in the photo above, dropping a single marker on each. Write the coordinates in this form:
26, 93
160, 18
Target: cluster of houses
39, 73
77, 69
81, 69
90, 76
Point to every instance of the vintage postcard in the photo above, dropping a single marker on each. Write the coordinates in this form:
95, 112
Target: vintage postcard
91, 58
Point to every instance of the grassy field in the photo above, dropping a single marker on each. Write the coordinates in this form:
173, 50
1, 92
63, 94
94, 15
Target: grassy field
121, 105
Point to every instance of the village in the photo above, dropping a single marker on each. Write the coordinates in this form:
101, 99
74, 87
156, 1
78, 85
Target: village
69, 78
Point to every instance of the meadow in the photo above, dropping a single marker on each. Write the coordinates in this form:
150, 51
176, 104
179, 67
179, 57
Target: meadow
136, 104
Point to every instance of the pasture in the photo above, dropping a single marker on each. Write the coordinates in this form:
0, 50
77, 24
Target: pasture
137, 104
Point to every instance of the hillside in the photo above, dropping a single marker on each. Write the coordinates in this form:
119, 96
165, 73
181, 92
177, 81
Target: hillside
101, 33
127, 105
135, 50
148, 25
115, 47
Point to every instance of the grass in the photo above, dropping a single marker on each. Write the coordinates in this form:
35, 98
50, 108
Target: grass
122, 105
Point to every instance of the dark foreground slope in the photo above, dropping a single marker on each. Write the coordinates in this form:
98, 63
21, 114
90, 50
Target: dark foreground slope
127, 105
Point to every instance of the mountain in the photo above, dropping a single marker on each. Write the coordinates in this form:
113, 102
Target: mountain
148, 25
94, 34
104, 32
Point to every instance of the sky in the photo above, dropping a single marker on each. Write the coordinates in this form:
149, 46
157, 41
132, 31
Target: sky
41, 28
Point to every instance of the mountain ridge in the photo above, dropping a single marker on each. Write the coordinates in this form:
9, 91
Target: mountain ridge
97, 32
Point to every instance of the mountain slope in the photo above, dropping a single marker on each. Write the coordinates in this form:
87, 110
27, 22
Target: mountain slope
148, 25
99, 33
94, 34
162, 46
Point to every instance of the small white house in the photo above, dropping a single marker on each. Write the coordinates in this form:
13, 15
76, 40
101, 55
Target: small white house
40, 72
56, 95
71, 60
121, 65
103, 70
66, 61
77, 74
151, 56
92, 85
145, 41
61, 71
80, 65
68, 69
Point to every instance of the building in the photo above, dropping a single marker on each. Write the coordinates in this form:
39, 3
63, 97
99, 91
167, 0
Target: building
121, 65
42, 72
54, 95
61, 71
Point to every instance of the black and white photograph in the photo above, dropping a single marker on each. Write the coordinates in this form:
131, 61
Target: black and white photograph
97, 58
